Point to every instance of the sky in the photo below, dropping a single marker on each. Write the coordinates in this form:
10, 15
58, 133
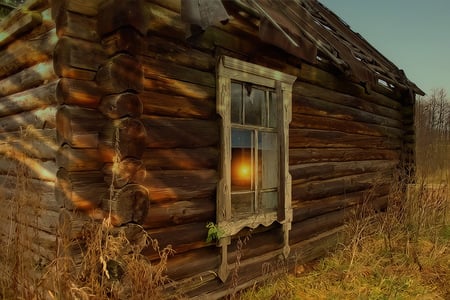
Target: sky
413, 34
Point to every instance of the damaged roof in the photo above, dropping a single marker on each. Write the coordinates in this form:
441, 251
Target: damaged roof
310, 31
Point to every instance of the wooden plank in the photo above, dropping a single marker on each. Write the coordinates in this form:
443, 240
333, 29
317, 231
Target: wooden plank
23, 53
79, 127
75, 92
161, 104
80, 190
76, 25
43, 118
73, 159
326, 123
170, 185
39, 97
312, 106
322, 171
78, 59
175, 87
310, 155
39, 144
17, 23
338, 186
180, 212
154, 69
119, 74
181, 158
178, 52
164, 132
31, 77
307, 138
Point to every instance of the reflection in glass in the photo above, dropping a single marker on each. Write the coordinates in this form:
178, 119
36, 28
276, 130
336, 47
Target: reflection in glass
236, 103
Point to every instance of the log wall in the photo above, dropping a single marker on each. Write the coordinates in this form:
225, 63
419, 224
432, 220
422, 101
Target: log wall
28, 83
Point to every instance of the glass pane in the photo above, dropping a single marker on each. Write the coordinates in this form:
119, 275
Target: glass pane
255, 107
242, 204
269, 200
273, 110
268, 160
241, 159
236, 103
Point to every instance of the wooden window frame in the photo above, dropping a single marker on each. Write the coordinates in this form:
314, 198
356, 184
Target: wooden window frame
231, 69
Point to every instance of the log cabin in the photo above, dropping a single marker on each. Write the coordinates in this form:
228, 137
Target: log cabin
271, 120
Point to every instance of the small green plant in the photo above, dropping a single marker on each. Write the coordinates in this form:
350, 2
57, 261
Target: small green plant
214, 232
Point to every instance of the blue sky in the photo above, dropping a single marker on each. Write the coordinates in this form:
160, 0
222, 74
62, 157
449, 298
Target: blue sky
413, 34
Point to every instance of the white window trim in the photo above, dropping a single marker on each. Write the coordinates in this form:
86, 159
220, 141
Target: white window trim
228, 69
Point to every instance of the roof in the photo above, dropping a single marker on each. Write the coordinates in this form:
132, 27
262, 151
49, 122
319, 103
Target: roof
310, 31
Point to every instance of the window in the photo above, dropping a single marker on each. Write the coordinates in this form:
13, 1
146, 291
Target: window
254, 103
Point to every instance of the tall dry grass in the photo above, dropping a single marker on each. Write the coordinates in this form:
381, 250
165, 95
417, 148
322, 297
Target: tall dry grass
103, 262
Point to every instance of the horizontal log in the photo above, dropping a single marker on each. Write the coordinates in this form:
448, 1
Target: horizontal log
76, 25
180, 212
17, 23
154, 69
307, 138
125, 137
317, 246
181, 238
164, 132
128, 204
80, 190
79, 127
377, 104
157, 103
78, 59
180, 88
338, 186
121, 105
119, 74
34, 216
87, 8
310, 155
164, 22
326, 123
43, 118
303, 210
170, 185
313, 106
39, 144
84, 93
321, 171
178, 53
73, 159
34, 168
192, 262
11, 190
24, 53
39, 97
181, 158
128, 170
124, 40
31, 77
114, 14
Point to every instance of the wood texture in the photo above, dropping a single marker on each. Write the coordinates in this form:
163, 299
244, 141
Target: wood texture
23, 53
73, 159
31, 77
129, 204
181, 158
80, 190
124, 40
30, 143
121, 105
119, 74
17, 23
79, 127
114, 14
39, 97
76, 25
128, 170
84, 93
42, 118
